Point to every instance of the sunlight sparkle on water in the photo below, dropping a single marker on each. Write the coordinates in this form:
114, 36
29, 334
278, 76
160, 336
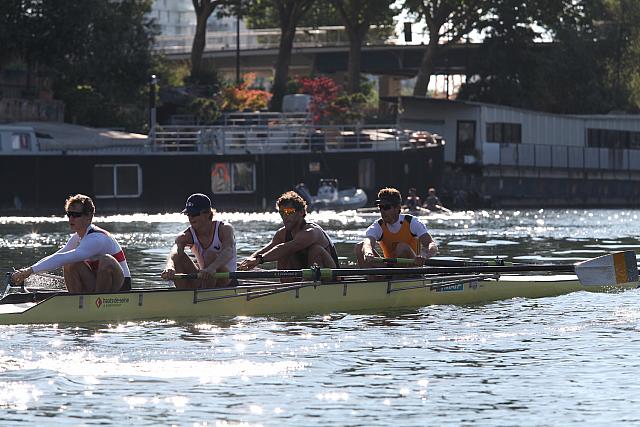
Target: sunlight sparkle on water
333, 396
167, 369
18, 395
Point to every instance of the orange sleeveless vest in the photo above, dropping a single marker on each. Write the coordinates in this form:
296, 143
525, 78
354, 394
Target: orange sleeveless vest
389, 240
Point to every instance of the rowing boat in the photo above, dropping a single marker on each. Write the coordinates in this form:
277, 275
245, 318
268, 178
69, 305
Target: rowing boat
484, 284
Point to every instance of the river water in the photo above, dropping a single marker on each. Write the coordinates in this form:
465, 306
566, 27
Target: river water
568, 360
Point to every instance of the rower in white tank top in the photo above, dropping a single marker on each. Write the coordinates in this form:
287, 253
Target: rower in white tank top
200, 251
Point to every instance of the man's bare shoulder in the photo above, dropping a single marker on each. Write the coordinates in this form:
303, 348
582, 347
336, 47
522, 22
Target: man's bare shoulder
185, 237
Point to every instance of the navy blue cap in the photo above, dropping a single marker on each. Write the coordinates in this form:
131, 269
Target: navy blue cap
197, 203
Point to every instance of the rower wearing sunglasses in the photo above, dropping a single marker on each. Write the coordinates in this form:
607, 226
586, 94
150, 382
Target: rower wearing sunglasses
298, 244
212, 242
399, 235
91, 261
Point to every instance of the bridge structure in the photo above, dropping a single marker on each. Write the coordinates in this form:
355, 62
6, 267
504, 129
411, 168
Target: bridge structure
321, 50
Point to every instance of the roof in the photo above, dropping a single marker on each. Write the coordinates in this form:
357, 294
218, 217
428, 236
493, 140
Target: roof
64, 135
614, 115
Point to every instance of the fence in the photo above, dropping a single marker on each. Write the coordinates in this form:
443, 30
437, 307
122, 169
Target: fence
278, 137
560, 156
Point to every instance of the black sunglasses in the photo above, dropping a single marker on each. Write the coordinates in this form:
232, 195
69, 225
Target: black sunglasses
74, 214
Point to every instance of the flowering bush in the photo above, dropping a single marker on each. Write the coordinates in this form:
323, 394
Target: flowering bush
329, 103
241, 97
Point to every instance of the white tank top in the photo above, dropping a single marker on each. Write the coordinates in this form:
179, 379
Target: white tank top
215, 247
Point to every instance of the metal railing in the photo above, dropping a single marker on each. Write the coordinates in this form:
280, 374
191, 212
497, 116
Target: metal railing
268, 39
277, 138
560, 156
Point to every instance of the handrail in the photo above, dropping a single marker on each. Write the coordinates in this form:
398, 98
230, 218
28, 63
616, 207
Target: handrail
560, 157
279, 138
268, 38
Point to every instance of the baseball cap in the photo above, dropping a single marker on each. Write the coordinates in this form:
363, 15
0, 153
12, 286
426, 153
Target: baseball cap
197, 203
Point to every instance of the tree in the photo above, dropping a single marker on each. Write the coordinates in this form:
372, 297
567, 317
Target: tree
447, 22
289, 13
203, 9
357, 17
621, 34
508, 66
590, 65
98, 54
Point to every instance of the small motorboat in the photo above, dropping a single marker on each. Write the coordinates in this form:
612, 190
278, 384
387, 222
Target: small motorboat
329, 197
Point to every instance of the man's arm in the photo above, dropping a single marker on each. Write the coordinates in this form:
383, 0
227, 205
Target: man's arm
227, 248
300, 241
428, 246
257, 257
368, 245
90, 246
182, 240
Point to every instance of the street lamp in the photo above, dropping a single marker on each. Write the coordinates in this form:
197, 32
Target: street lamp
153, 81
238, 46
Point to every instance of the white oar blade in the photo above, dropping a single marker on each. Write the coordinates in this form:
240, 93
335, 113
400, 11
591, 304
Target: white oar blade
613, 269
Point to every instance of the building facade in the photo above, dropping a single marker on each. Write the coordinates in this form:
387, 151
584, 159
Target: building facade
527, 157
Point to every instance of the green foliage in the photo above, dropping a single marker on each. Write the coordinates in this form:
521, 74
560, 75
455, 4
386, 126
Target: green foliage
205, 110
174, 73
206, 82
591, 66
96, 44
261, 14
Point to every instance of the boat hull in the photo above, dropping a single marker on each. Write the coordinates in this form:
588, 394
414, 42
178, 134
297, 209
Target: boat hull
305, 298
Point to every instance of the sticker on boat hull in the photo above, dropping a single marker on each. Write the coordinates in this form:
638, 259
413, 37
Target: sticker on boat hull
111, 302
456, 287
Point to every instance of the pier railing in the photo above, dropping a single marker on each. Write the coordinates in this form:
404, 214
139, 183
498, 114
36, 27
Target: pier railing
560, 157
242, 137
270, 39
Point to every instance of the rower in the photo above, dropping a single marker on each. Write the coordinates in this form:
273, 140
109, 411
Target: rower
412, 202
92, 260
298, 244
399, 235
433, 203
212, 241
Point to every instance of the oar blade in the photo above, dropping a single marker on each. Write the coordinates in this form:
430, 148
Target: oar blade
613, 269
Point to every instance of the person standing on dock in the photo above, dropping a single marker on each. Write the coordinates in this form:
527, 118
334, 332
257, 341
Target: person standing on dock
399, 235
298, 244
211, 241
91, 261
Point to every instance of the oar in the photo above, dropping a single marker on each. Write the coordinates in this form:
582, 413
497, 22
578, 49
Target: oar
611, 269
442, 262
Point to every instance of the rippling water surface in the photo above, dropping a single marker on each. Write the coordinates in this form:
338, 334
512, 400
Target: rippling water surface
569, 360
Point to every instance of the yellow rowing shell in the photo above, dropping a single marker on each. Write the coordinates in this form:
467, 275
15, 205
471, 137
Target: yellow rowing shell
298, 298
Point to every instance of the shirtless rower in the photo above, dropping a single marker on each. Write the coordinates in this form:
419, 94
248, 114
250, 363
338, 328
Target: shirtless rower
298, 244
91, 261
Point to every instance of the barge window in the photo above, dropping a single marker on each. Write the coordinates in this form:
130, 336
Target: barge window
21, 141
117, 181
233, 177
366, 173
504, 132
610, 138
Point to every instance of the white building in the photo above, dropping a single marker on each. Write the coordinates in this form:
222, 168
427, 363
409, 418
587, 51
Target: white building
178, 18
499, 135
517, 156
